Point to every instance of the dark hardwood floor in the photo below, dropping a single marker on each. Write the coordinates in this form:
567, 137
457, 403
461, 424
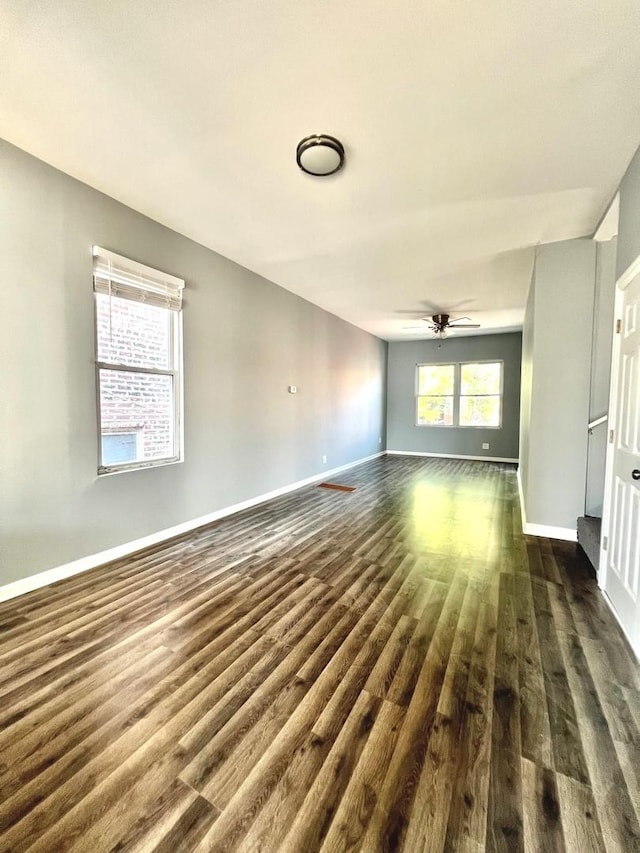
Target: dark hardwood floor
393, 668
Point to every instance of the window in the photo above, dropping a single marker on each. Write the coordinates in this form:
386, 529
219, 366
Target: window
481, 394
467, 394
138, 363
119, 447
436, 385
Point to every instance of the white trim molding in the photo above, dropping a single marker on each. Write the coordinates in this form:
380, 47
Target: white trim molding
567, 534
452, 456
629, 274
28, 584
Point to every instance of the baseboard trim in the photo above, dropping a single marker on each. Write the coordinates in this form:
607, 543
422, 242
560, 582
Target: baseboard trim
92, 561
568, 534
451, 456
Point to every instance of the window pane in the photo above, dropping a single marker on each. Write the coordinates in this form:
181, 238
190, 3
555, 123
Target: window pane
480, 378
133, 333
119, 447
480, 411
435, 378
435, 411
139, 403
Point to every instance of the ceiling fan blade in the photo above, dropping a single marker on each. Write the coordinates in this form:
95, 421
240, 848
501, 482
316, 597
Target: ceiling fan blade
464, 326
427, 307
469, 324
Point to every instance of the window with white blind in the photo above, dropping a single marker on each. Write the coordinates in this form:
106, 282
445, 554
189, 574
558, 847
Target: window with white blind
138, 317
463, 394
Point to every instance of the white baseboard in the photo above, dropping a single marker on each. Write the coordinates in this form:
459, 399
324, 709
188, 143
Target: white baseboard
568, 534
57, 573
451, 456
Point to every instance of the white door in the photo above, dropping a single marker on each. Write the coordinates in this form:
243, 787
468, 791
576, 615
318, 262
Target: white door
622, 511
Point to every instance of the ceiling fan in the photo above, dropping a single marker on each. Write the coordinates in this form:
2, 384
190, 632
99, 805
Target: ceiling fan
440, 324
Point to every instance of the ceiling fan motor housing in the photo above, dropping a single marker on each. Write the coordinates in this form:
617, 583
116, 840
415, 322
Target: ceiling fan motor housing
441, 320
440, 323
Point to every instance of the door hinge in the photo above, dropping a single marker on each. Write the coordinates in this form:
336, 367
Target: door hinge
618, 326
605, 543
610, 436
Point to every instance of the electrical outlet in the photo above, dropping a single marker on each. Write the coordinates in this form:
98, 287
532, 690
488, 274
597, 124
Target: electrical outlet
485, 445
293, 389
379, 439
324, 460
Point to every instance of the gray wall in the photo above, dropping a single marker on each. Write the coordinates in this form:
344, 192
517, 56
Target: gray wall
402, 432
526, 387
629, 220
604, 303
553, 469
245, 340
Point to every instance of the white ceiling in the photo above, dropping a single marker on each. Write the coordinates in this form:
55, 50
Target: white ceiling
473, 131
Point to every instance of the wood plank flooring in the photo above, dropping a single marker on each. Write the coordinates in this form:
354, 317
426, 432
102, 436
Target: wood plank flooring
393, 668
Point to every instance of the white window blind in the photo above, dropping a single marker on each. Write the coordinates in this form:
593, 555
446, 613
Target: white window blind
114, 275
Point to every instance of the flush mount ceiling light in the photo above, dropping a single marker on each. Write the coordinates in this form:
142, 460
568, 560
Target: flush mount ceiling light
320, 155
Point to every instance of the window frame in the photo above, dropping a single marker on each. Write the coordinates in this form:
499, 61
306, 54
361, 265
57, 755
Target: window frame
175, 371
444, 396
457, 395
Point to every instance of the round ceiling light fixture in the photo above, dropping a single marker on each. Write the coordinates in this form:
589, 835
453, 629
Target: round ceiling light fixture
320, 155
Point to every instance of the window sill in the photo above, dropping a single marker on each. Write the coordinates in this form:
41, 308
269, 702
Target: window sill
455, 426
107, 471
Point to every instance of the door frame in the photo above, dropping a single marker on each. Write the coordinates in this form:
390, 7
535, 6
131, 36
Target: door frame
622, 283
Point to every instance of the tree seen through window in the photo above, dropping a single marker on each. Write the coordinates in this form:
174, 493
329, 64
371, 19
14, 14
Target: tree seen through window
468, 394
